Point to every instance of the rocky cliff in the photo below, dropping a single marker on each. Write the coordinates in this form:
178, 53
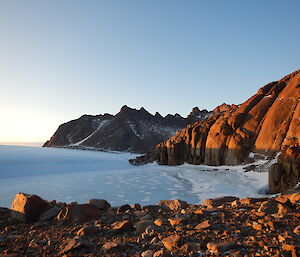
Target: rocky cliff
129, 130
266, 122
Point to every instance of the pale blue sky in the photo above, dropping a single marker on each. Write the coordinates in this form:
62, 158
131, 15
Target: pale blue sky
61, 59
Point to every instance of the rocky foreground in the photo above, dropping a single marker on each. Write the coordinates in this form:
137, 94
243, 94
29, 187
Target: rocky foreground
225, 226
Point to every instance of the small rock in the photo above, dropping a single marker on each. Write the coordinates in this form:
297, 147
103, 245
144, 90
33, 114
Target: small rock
191, 247
257, 226
173, 205
124, 208
154, 240
141, 226
272, 206
159, 222
172, 242
148, 253
74, 244
161, 253
136, 207
109, 246
220, 247
297, 230
100, 203
88, 231
122, 226
215, 202
295, 198
203, 225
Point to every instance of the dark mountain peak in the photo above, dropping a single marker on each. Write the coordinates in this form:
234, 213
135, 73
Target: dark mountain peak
125, 108
144, 111
177, 115
158, 115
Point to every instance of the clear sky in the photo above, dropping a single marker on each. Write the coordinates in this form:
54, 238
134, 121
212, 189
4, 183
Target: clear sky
62, 59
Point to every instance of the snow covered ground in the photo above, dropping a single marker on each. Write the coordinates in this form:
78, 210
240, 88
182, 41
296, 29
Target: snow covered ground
75, 175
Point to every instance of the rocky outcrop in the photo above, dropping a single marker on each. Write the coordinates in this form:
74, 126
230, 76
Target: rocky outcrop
130, 130
285, 174
225, 227
266, 122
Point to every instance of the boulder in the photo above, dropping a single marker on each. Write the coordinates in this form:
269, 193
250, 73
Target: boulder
28, 207
141, 226
88, 230
100, 203
172, 242
173, 205
122, 226
79, 213
50, 213
74, 244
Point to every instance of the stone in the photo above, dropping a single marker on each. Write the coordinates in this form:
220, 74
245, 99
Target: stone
100, 203
122, 226
28, 207
136, 206
159, 222
161, 253
173, 205
295, 198
203, 225
88, 230
124, 208
141, 226
191, 247
148, 253
272, 206
297, 230
50, 213
74, 244
172, 242
79, 213
220, 247
110, 246
212, 203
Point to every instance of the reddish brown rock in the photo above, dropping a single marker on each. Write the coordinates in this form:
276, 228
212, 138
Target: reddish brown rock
28, 207
100, 203
220, 247
74, 244
267, 122
173, 205
79, 213
215, 202
272, 206
88, 231
203, 225
172, 242
123, 226
141, 226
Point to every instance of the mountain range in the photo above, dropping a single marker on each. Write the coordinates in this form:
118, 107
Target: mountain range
131, 130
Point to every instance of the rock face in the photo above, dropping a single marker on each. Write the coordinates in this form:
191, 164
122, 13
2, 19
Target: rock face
130, 130
285, 174
268, 121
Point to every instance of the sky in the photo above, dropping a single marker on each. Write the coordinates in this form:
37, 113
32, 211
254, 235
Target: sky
62, 59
